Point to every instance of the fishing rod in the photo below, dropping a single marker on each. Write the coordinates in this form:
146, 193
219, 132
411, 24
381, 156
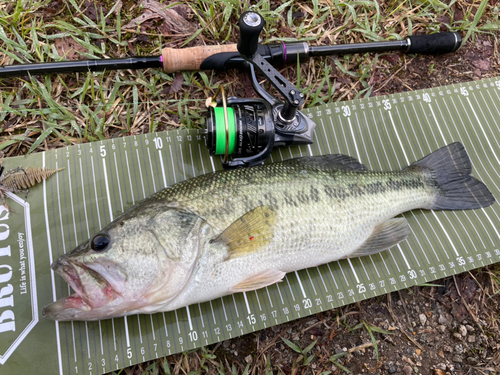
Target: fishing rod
247, 129
225, 57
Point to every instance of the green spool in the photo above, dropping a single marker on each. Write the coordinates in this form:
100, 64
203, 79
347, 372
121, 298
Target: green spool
220, 131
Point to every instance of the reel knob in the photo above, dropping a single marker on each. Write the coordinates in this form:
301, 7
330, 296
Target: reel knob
251, 24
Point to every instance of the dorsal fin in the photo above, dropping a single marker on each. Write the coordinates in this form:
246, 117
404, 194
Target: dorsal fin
331, 161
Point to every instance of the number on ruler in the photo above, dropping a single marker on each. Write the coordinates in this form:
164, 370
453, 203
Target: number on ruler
340, 295
158, 143
217, 331
387, 104
274, 313
318, 302
168, 343
143, 351
426, 97
461, 261
488, 254
346, 111
251, 319
103, 150
296, 307
181, 340
189, 137
361, 288
382, 283
155, 345
307, 303
103, 362
193, 336
129, 353
229, 328
90, 365
464, 91
204, 334
329, 298
240, 324
412, 274
263, 317
498, 84
497, 252
116, 358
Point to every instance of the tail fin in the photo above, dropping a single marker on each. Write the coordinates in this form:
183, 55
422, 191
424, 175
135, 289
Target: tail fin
450, 167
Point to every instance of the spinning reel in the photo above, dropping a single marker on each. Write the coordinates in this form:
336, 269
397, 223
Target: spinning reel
249, 129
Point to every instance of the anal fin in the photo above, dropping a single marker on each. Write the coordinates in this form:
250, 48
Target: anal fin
383, 237
258, 281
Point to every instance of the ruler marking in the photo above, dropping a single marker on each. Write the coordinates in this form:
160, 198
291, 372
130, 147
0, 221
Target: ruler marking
152, 172
374, 266
213, 314
118, 179
246, 303
201, 158
445, 233
354, 139
484, 132
130, 178
235, 307
279, 292
172, 160
165, 324
52, 278
162, 169
189, 319
140, 172
201, 316
269, 296
183, 164
177, 321
84, 200
72, 204
371, 139
343, 274
289, 287
127, 336
322, 280
380, 139
363, 265
326, 137
333, 277
100, 335
404, 130
353, 270
394, 259
363, 140
107, 189
258, 301
404, 258
397, 136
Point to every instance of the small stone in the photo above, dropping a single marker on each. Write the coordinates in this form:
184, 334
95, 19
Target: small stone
462, 330
235, 353
441, 328
470, 328
471, 338
248, 358
407, 370
442, 319
438, 372
400, 303
457, 336
393, 369
472, 361
423, 319
441, 366
457, 358
459, 349
447, 349
418, 351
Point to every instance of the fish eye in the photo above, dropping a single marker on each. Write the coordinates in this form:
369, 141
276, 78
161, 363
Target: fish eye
99, 242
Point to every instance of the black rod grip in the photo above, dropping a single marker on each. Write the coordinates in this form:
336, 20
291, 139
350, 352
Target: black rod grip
435, 43
251, 24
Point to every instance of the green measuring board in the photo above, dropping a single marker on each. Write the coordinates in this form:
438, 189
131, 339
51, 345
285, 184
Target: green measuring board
102, 179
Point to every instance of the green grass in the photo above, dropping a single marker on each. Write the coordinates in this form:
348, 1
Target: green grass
56, 110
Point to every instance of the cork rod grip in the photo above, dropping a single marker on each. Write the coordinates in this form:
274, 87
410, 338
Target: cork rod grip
190, 58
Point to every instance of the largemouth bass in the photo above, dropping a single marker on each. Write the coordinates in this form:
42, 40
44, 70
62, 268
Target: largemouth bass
243, 229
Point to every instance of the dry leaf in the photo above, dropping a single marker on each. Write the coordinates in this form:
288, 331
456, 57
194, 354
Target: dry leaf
173, 22
68, 48
22, 179
177, 84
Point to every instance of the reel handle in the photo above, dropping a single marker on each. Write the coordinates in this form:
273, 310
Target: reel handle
251, 24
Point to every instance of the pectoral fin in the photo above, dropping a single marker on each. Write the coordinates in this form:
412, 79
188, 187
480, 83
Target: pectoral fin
250, 233
384, 236
258, 281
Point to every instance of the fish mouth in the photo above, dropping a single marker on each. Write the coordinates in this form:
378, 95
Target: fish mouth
92, 291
